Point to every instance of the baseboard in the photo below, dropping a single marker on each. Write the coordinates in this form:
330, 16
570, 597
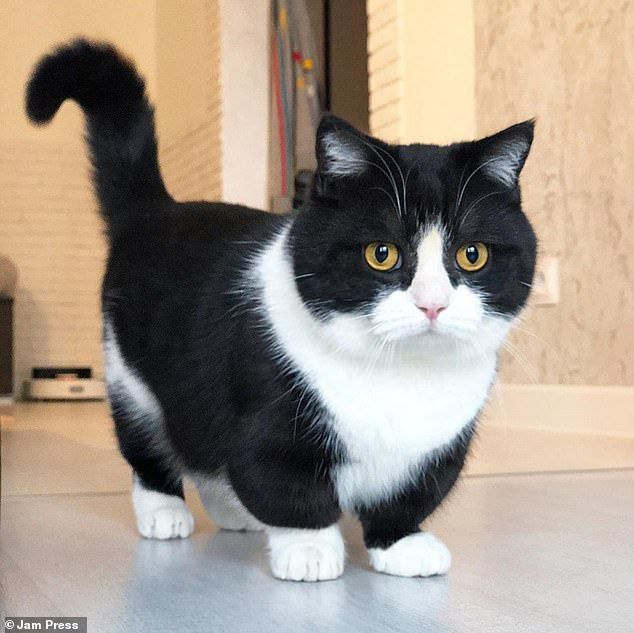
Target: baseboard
569, 408
6, 401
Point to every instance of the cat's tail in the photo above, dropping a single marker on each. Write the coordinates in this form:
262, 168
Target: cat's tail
119, 122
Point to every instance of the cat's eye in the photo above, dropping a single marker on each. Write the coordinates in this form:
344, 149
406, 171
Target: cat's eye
382, 256
472, 257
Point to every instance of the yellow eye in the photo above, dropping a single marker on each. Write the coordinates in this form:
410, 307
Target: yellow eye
472, 257
382, 256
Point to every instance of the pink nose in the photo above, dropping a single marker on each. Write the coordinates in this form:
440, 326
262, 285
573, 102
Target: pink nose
432, 311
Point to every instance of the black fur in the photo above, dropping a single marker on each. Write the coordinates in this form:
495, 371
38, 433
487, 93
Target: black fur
172, 292
390, 521
120, 123
433, 177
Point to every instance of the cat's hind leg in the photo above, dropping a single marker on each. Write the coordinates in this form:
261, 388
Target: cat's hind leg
160, 515
157, 494
157, 491
224, 507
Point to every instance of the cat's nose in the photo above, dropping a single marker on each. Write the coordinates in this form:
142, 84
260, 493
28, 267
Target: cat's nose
432, 310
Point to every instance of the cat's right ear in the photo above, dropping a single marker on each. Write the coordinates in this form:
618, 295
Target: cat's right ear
341, 149
502, 155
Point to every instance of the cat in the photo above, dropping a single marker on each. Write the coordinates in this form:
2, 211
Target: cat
334, 359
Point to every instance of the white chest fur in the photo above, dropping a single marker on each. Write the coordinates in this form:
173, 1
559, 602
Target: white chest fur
390, 416
391, 419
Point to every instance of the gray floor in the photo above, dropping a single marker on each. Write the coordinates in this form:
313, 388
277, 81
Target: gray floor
546, 552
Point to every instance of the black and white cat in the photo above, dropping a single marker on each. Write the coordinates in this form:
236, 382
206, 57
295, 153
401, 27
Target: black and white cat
298, 366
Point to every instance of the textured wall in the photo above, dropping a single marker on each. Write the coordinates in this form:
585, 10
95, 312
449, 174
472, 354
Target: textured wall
570, 64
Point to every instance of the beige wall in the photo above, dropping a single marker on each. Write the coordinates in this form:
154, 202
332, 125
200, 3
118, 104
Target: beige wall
385, 69
189, 100
571, 66
245, 101
421, 70
29, 28
438, 56
48, 223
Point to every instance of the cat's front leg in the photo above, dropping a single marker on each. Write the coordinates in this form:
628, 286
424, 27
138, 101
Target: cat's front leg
391, 529
397, 546
419, 554
297, 505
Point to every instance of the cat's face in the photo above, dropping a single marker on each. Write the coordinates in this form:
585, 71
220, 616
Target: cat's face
423, 245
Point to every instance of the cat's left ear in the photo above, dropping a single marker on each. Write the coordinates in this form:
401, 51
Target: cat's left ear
502, 155
341, 150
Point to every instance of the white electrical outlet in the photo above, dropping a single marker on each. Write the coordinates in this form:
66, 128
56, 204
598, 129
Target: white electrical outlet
546, 282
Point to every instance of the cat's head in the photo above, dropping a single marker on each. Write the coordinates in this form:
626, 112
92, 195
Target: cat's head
418, 244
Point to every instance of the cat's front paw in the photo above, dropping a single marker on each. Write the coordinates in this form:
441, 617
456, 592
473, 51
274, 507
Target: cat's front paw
306, 555
420, 554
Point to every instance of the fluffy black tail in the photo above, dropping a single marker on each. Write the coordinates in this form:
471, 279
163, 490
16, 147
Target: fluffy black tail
120, 121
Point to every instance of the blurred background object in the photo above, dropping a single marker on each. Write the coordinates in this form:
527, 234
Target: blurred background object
318, 64
8, 283
8, 277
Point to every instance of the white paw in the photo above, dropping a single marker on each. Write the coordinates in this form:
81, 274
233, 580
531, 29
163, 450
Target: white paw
307, 555
161, 516
306, 562
420, 554
166, 523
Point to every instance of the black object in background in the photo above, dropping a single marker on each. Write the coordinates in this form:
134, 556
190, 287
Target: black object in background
55, 372
6, 346
303, 180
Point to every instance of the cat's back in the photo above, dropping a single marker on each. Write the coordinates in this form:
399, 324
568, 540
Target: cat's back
175, 266
195, 230
184, 248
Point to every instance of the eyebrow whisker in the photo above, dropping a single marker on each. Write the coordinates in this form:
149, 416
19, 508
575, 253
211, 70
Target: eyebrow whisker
473, 173
475, 204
